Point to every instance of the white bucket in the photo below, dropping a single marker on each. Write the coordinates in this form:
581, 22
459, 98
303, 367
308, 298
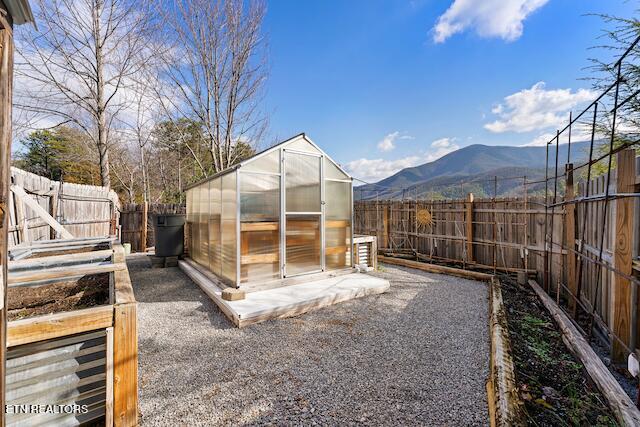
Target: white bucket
127, 248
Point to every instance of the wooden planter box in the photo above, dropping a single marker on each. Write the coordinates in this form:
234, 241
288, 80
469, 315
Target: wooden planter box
82, 357
365, 251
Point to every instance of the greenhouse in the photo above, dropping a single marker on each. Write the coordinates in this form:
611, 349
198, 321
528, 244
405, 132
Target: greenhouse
284, 212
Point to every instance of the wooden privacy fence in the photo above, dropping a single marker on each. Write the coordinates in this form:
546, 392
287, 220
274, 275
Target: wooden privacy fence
136, 222
508, 234
81, 210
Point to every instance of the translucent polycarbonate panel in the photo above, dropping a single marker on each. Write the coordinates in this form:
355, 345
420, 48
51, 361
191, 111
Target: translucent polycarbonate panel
229, 216
302, 182
195, 225
229, 250
260, 252
338, 243
259, 197
267, 163
331, 171
215, 206
229, 207
302, 145
260, 226
189, 197
337, 224
204, 223
337, 196
303, 242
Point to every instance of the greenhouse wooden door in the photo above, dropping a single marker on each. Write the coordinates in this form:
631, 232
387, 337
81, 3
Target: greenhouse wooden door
303, 230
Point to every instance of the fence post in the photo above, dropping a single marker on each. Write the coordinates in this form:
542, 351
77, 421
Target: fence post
6, 87
468, 218
21, 219
385, 226
143, 238
570, 230
125, 365
53, 210
622, 256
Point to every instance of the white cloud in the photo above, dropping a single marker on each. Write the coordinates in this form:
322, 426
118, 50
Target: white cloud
372, 170
536, 109
579, 132
388, 142
540, 140
489, 18
441, 147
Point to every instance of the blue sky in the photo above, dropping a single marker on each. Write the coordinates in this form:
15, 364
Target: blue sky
382, 85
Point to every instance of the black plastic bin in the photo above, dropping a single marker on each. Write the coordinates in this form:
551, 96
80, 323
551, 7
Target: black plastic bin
169, 234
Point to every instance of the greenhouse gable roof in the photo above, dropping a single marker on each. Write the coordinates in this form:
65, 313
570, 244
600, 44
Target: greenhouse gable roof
264, 152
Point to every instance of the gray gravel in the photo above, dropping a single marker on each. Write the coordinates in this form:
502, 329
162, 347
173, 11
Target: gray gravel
415, 355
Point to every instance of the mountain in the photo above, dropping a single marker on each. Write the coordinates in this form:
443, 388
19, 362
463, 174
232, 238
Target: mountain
473, 168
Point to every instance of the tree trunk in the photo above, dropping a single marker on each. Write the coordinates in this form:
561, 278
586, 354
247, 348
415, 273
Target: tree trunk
145, 184
130, 190
103, 148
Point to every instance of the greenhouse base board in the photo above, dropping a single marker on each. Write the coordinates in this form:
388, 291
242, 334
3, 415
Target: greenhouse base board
286, 301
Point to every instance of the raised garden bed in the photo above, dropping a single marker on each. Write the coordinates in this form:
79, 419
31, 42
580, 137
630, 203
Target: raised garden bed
87, 291
552, 383
72, 333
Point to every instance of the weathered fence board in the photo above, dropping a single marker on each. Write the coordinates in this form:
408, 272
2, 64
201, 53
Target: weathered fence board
135, 229
83, 210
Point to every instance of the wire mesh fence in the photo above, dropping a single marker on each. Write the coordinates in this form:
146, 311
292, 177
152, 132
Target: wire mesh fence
576, 228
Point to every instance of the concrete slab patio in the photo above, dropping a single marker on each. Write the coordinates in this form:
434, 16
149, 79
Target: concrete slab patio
417, 354
288, 300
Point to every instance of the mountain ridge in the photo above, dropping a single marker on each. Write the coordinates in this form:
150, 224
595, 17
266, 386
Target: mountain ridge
471, 163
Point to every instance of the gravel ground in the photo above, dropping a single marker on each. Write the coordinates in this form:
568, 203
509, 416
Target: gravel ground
417, 354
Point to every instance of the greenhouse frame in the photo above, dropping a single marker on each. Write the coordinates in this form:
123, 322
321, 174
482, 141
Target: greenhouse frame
248, 232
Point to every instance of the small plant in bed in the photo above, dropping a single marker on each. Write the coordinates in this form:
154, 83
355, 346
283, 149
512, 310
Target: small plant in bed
554, 386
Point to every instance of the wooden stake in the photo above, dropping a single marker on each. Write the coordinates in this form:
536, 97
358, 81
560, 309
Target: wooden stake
468, 218
385, 226
622, 256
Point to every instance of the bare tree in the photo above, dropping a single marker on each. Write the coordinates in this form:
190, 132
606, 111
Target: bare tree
138, 126
125, 170
217, 65
77, 67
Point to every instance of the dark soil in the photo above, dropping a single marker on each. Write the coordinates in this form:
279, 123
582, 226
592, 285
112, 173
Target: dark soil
553, 384
89, 291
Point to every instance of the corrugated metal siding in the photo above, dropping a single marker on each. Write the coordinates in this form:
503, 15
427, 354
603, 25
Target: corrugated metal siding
64, 371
